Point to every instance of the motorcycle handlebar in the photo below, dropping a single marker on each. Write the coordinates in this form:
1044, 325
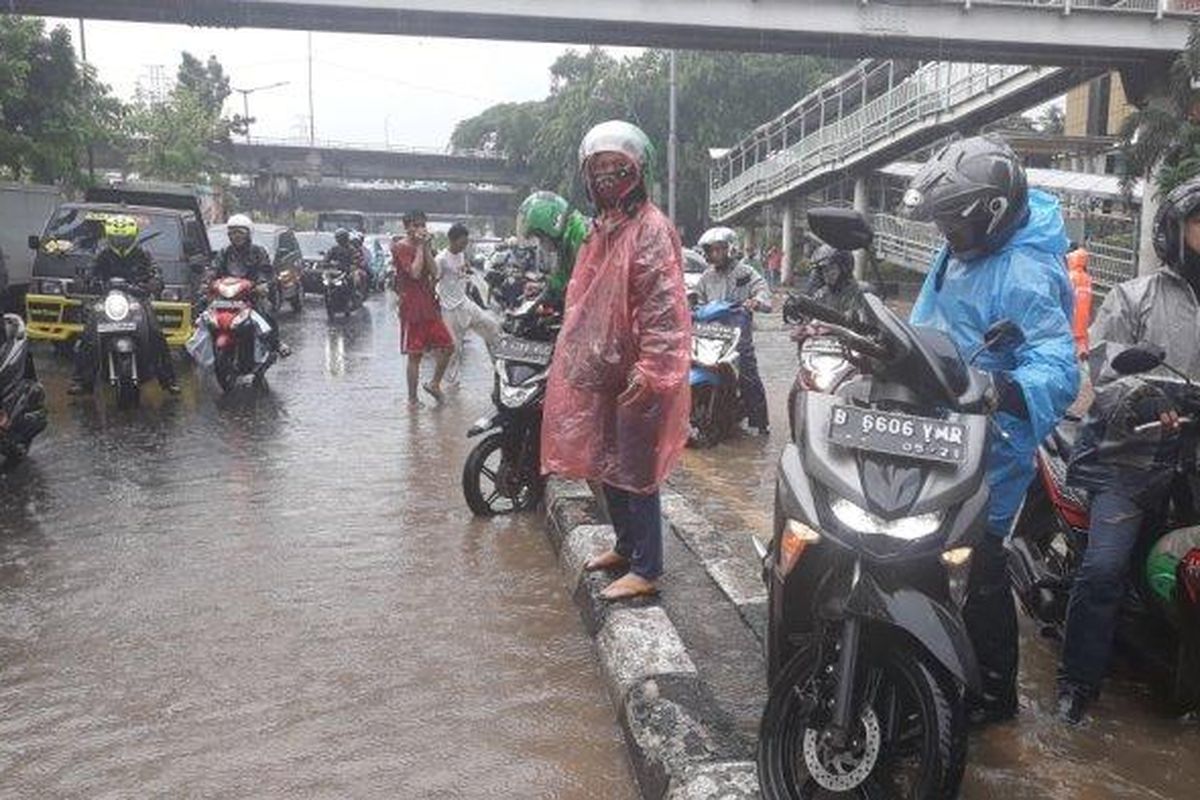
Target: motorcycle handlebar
820, 311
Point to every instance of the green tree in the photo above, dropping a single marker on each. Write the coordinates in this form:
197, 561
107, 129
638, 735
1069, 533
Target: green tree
51, 106
721, 96
181, 138
1162, 139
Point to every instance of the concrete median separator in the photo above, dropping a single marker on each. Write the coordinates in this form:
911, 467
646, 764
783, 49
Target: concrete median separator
684, 740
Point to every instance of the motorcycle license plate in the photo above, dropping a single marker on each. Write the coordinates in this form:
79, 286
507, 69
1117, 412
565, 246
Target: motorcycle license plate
116, 327
898, 434
510, 348
709, 330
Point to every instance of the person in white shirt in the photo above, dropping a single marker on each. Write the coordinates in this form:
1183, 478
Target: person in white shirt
460, 312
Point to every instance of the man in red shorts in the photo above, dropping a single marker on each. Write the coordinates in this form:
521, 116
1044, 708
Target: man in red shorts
421, 326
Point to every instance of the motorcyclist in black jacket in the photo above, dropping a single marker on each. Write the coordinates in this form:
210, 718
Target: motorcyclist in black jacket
346, 256
123, 258
244, 259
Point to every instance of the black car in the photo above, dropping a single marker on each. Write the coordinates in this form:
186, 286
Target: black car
313, 247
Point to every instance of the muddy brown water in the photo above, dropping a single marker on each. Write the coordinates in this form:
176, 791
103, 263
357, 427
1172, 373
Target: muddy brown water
284, 595
1132, 748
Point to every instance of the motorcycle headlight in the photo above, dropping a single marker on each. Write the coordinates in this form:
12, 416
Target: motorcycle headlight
906, 528
51, 287
172, 294
516, 396
116, 307
707, 351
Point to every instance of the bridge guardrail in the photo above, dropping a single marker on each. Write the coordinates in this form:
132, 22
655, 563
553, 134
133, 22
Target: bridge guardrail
328, 144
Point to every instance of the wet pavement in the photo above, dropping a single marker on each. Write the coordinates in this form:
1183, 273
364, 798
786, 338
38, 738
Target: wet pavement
1131, 749
282, 594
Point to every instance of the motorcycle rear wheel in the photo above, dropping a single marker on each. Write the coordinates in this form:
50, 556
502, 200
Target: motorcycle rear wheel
916, 717
223, 368
489, 486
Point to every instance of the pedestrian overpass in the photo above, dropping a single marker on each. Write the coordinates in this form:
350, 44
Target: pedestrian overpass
874, 115
1108, 33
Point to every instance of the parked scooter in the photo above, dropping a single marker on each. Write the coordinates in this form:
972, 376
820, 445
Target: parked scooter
881, 496
22, 399
502, 474
235, 332
1160, 619
716, 402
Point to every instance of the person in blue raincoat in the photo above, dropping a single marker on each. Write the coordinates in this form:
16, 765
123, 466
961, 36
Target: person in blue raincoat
1003, 260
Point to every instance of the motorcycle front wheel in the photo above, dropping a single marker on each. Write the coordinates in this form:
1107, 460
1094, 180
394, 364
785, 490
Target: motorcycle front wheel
128, 392
707, 429
909, 740
492, 486
225, 370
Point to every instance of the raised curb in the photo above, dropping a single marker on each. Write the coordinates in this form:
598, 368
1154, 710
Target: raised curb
681, 743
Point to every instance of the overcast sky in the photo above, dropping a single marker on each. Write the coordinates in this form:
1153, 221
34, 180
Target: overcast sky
411, 90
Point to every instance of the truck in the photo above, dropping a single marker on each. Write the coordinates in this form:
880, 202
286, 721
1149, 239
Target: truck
23, 207
172, 230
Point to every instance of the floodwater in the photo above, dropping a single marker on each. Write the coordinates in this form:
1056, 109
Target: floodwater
284, 595
1131, 748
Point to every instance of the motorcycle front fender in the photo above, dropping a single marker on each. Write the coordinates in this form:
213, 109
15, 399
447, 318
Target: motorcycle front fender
699, 376
938, 628
484, 424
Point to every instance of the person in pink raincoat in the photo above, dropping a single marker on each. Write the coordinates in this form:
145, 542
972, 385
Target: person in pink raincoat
617, 399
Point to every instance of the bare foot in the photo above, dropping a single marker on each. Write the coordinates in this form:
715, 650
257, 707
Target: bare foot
434, 391
606, 561
628, 586
414, 402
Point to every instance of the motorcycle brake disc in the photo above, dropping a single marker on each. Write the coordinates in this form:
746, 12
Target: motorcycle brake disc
841, 770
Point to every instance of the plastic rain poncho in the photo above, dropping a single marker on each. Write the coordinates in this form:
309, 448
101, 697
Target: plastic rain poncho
1024, 281
626, 315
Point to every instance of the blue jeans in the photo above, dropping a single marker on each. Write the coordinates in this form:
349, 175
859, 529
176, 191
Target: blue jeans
1099, 589
637, 519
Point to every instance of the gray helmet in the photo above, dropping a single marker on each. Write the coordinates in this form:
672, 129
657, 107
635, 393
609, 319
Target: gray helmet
718, 235
976, 192
1181, 203
834, 265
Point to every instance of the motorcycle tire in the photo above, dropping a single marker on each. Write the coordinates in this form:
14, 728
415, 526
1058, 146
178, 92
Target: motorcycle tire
297, 302
706, 430
128, 391
329, 312
223, 368
931, 697
476, 471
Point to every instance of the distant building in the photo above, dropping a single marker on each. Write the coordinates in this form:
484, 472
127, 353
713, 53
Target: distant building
1098, 107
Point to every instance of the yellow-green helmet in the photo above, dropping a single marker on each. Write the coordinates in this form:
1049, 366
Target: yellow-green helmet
121, 230
543, 213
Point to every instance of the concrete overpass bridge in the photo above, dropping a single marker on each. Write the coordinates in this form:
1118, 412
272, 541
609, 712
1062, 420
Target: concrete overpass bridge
296, 158
1102, 33
500, 205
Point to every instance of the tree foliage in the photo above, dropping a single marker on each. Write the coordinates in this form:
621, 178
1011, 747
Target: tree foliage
720, 97
1162, 139
51, 106
180, 138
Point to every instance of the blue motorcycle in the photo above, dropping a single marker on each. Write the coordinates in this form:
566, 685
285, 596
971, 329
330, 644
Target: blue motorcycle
716, 402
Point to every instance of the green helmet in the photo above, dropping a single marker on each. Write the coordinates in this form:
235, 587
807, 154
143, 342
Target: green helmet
545, 214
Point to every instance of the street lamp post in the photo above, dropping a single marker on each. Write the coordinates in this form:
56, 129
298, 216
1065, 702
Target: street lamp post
245, 93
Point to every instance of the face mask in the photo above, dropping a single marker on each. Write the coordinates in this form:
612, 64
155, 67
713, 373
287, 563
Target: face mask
611, 186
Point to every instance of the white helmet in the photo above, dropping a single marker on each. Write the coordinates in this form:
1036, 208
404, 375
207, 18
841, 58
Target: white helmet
718, 236
239, 221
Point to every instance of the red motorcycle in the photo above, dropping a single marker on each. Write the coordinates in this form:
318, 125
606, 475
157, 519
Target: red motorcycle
236, 331
1160, 618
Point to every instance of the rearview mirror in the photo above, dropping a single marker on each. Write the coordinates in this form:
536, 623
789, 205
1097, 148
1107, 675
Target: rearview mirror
1004, 335
842, 228
1135, 360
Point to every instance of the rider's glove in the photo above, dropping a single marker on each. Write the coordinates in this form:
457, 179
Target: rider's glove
1009, 397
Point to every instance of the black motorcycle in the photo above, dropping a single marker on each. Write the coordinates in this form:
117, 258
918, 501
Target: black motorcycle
341, 295
1160, 617
22, 399
880, 498
122, 343
502, 474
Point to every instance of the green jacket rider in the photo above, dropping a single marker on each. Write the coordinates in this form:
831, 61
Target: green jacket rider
560, 231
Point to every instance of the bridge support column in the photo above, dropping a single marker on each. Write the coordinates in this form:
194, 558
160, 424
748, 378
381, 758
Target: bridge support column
1147, 258
788, 242
861, 205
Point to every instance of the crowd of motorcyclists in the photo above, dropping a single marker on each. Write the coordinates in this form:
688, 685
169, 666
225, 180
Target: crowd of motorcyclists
618, 381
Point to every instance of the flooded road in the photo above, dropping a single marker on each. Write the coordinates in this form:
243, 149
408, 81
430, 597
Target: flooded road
284, 595
1130, 749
